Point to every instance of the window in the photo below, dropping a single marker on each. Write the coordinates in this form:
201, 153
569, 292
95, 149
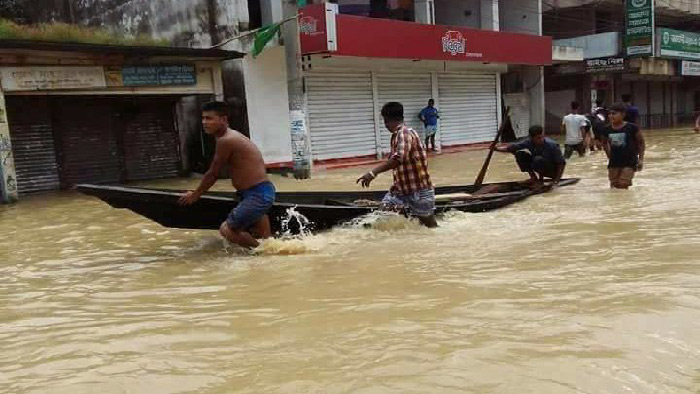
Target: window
387, 9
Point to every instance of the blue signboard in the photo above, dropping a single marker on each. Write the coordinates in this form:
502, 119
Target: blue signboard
162, 75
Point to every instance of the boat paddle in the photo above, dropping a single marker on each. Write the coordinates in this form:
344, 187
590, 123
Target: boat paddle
482, 174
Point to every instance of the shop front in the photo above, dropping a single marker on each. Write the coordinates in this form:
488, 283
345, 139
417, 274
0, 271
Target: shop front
353, 65
87, 114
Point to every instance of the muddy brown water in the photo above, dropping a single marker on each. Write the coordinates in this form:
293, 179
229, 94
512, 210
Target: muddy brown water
584, 290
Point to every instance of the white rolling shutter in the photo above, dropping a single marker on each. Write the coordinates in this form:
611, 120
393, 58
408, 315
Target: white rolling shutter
341, 115
411, 90
468, 108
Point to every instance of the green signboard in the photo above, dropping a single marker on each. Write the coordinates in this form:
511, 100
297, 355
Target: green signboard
639, 27
161, 75
678, 44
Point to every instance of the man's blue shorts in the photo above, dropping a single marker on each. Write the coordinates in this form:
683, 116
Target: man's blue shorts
254, 204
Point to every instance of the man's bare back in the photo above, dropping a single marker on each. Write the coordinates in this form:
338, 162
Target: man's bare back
245, 162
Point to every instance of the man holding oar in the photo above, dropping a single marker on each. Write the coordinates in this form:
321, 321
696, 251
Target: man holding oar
539, 156
412, 189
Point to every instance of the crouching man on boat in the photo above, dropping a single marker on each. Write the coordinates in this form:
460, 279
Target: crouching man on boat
412, 189
538, 156
248, 220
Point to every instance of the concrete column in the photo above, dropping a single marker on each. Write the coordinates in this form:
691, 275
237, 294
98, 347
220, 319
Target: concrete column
533, 79
8, 175
378, 123
271, 11
218, 81
489, 15
436, 96
424, 11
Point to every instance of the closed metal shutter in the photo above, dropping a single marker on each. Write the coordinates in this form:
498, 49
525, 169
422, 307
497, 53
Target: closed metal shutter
150, 141
411, 90
468, 108
341, 115
33, 144
89, 150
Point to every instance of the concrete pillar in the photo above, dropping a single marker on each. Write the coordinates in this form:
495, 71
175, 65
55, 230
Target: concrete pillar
218, 81
489, 15
533, 79
271, 11
8, 175
424, 11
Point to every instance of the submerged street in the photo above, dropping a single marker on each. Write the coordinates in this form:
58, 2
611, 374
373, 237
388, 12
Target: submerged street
583, 290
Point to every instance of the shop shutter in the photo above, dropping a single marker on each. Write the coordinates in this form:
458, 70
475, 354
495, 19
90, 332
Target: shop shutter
411, 90
89, 152
341, 115
33, 144
468, 108
150, 141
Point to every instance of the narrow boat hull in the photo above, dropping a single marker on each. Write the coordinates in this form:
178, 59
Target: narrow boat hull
323, 209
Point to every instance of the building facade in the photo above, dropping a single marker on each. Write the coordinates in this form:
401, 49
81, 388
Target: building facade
637, 48
81, 113
469, 56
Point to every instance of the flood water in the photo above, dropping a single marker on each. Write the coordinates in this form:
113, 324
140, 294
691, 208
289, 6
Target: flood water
584, 290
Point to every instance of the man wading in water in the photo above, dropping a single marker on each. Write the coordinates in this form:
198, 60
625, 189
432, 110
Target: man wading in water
624, 144
248, 219
412, 188
544, 158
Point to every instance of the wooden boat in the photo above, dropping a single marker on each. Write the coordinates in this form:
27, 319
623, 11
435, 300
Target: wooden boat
322, 209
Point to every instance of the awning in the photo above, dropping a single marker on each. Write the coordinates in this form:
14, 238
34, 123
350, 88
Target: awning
125, 50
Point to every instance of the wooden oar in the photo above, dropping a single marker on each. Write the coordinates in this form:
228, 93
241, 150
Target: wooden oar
482, 174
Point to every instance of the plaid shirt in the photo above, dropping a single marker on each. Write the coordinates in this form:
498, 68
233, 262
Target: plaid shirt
412, 173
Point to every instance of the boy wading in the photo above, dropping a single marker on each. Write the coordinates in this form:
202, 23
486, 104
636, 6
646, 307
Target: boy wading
625, 146
412, 190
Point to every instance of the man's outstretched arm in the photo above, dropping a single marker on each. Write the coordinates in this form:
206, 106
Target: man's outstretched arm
223, 152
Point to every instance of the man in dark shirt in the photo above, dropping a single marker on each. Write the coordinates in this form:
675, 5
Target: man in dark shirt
543, 158
625, 146
632, 114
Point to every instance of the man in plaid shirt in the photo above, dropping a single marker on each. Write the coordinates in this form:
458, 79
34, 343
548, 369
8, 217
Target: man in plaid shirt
412, 189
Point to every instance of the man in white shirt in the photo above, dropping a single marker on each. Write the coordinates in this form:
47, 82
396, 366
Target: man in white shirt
575, 127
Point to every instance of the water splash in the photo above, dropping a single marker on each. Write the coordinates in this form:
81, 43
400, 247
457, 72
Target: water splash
295, 224
387, 221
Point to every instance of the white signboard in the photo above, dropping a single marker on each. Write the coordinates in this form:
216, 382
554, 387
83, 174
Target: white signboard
690, 68
51, 78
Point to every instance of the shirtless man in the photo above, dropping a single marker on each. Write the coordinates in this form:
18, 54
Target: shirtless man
248, 219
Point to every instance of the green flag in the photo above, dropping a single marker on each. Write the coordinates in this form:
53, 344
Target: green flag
301, 3
263, 36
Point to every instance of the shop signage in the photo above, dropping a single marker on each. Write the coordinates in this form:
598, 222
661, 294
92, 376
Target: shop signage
161, 75
639, 27
690, 68
679, 44
358, 37
51, 78
317, 29
609, 64
453, 42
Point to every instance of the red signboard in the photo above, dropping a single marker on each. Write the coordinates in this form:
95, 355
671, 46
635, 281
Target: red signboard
373, 37
312, 29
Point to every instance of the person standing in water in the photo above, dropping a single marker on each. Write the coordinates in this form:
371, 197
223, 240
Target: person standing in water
631, 110
248, 220
574, 125
412, 188
625, 147
430, 115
